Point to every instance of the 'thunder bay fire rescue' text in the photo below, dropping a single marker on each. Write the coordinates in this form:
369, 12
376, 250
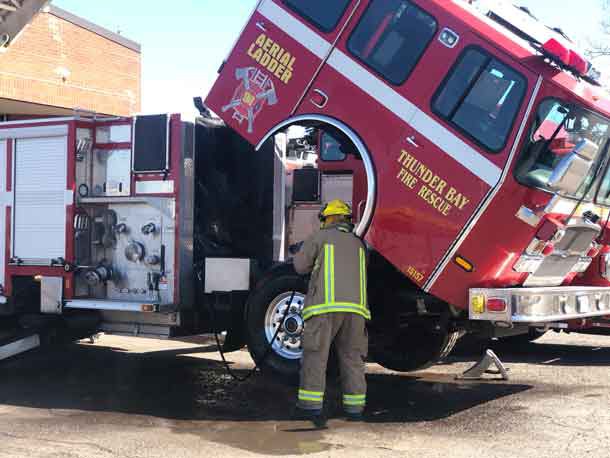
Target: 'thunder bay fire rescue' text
434, 190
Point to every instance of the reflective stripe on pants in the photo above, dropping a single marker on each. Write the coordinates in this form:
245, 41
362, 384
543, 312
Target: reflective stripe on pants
354, 403
348, 331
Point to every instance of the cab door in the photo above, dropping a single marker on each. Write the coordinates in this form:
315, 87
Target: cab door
281, 49
338, 159
401, 77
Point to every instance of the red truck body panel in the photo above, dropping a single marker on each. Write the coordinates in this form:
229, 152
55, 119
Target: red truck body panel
439, 192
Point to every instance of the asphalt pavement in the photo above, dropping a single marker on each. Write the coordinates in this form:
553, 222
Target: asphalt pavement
127, 397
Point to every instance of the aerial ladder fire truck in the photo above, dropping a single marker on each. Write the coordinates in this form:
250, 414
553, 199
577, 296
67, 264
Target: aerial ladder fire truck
471, 140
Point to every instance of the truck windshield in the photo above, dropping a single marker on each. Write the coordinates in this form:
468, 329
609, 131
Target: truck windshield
602, 196
560, 130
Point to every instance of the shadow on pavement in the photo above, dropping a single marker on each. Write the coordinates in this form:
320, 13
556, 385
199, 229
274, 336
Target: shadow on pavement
173, 385
548, 354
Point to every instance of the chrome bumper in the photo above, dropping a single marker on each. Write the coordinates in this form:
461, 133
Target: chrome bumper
539, 305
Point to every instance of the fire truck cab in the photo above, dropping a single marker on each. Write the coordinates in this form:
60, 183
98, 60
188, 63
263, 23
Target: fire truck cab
481, 139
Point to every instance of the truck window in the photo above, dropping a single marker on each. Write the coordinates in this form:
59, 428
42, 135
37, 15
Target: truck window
603, 194
481, 97
391, 38
324, 14
558, 129
331, 150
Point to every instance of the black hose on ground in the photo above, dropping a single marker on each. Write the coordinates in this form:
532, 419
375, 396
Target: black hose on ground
257, 364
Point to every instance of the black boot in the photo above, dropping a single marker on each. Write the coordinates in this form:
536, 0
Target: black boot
315, 416
354, 416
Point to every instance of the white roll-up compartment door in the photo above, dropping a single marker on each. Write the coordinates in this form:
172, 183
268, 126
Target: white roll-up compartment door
4, 202
40, 199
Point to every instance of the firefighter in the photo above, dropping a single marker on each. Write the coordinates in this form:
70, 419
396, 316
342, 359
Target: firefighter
336, 311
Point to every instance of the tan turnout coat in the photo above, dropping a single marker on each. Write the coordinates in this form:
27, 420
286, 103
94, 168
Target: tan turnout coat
336, 259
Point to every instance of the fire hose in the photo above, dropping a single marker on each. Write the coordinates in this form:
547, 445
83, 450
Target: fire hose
257, 364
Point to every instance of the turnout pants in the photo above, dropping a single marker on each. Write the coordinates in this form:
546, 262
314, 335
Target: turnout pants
348, 332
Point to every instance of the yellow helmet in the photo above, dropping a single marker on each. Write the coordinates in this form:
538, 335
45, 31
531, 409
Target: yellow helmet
336, 207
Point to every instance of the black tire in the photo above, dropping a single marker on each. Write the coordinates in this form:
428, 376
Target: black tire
258, 303
416, 349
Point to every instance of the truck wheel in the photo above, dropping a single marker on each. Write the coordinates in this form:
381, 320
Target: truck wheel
415, 349
267, 310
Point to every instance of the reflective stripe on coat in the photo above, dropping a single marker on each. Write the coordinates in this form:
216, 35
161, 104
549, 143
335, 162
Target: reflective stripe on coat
337, 261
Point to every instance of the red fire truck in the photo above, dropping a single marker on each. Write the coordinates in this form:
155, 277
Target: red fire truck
483, 137
471, 141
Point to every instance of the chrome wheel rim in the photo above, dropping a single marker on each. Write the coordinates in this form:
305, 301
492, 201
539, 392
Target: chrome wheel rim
288, 343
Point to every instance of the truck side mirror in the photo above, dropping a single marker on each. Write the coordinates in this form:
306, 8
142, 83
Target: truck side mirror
572, 170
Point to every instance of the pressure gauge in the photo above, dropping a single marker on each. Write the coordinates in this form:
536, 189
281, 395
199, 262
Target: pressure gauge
134, 252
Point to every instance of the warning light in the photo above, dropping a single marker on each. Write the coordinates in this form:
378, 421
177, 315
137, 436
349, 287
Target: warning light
496, 304
477, 303
147, 308
464, 263
594, 250
554, 48
569, 58
549, 249
579, 63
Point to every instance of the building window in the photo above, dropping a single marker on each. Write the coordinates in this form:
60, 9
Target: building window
324, 14
391, 38
481, 97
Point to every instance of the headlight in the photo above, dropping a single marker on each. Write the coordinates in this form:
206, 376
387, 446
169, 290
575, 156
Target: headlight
527, 263
583, 304
604, 268
582, 265
535, 247
559, 235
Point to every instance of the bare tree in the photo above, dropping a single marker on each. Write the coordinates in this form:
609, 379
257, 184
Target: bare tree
600, 47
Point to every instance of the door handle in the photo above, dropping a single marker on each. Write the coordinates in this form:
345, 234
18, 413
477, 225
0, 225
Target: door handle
411, 141
320, 99
261, 25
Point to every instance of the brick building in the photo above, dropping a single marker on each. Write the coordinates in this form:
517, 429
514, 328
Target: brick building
60, 62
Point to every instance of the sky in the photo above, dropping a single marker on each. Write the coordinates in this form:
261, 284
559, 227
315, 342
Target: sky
185, 41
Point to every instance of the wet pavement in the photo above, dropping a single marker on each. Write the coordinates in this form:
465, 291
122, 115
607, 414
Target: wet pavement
143, 398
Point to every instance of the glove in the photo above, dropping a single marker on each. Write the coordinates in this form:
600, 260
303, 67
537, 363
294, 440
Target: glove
294, 249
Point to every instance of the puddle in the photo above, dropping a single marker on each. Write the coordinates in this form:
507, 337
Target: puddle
269, 438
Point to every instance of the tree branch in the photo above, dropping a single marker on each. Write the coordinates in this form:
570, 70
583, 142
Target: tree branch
601, 48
